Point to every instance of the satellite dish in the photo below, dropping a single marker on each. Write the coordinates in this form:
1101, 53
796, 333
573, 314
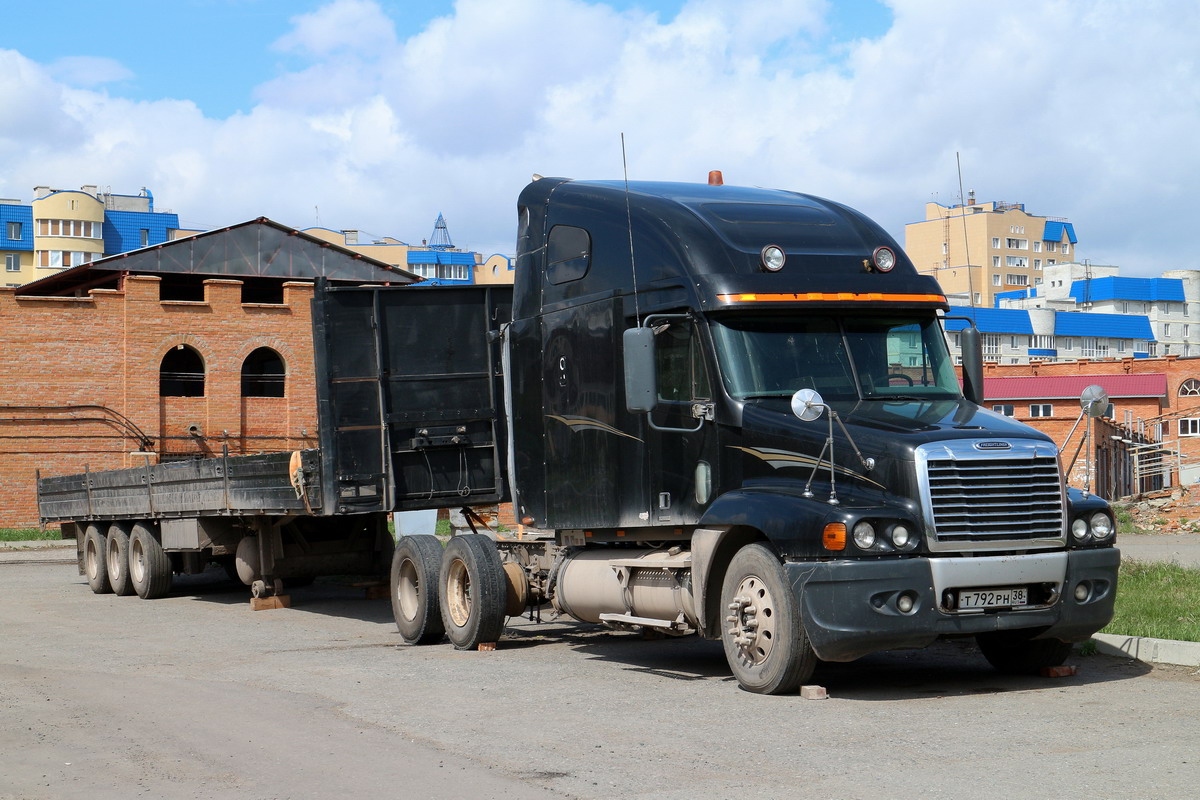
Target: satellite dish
807, 405
1094, 401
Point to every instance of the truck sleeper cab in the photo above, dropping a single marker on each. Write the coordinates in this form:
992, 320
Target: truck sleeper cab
658, 339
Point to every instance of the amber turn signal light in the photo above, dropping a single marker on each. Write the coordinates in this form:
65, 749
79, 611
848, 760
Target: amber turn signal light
834, 536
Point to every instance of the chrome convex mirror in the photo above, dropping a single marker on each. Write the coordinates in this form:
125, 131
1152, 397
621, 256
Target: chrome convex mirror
807, 405
1094, 401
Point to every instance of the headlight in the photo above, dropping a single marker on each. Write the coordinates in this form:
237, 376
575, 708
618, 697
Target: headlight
1079, 529
901, 536
1102, 525
773, 258
884, 259
864, 535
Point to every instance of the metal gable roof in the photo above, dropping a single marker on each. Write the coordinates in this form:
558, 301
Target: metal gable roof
1113, 326
1054, 231
990, 320
1116, 288
1057, 387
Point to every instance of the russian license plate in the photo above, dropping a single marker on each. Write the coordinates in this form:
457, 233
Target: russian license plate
993, 598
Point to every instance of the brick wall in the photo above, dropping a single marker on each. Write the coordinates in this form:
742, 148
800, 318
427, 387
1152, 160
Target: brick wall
72, 367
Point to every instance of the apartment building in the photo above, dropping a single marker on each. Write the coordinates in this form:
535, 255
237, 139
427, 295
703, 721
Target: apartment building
980, 249
63, 228
1019, 336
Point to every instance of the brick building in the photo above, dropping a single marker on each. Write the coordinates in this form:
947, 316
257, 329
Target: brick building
177, 351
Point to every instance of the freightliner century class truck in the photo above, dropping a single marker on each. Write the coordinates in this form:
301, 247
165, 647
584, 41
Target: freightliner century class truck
732, 412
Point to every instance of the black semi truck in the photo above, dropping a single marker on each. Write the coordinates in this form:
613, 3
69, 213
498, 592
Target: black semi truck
722, 411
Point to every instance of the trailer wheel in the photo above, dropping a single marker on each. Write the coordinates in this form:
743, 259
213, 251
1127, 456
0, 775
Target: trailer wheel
472, 592
763, 635
1015, 653
116, 556
95, 565
149, 567
414, 584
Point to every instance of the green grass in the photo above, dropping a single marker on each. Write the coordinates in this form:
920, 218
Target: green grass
1157, 600
28, 534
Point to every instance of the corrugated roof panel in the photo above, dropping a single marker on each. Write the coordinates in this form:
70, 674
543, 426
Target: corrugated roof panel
991, 320
1054, 387
1015, 294
1113, 326
1054, 232
1116, 288
440, 257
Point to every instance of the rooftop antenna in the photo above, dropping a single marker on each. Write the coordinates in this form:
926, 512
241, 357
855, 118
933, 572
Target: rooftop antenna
317, 214
441, 235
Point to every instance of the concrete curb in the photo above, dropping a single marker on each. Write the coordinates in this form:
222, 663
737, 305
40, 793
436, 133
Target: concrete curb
38, 544
1153, 651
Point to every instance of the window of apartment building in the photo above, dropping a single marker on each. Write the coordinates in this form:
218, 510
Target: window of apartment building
1166, 349
1068, 343
1016, 341
1166, 330
70, 228
991, 344
995, 261
978, 298
995, 279
1152, 349
61, 259
1037, 263
1189, 388
1041, 410
12, 285
1189, 426
995, 242
1004, 408
1037, 281
1017, 244
1051, 247
1016, 261
181, 373
1121, 345
1037, 247
12, 262
945, 248
1042, 342
1016, 280
1186, 330
263, 374
14, 231
1049, 262
1092, 347
1066, 247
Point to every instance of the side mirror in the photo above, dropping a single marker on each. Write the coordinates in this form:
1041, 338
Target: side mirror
807, 405
641, 376
972, 364
1094, 401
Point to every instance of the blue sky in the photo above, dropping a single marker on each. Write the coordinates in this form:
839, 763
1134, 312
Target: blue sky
378, 115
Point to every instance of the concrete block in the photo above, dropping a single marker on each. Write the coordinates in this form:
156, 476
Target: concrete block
813, 692
268, 603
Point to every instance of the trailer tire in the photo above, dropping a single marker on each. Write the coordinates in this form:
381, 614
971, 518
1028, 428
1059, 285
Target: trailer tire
116, 556
472, 591
1015, 653
95, 562
149, 566
763, 634
413, 579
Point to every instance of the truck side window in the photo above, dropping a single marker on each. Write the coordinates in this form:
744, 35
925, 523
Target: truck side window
568, 254
681, 374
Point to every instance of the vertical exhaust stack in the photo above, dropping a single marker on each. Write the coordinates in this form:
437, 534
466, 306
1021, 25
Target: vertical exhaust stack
715, 178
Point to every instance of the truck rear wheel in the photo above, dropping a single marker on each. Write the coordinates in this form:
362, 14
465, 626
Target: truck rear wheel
1015, 653
471, 588
95, 563
149, 567
414, 583
763, 635
116, 557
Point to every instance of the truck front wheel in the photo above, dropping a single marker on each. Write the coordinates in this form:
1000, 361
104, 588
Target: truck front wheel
472, 591
414, 582
95, 559
1015, 653
762, 633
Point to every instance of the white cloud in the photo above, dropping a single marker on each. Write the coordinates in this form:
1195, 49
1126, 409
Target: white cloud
88, 71
1083, 111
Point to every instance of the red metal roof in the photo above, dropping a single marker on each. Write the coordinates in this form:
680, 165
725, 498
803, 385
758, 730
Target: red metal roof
1054, 387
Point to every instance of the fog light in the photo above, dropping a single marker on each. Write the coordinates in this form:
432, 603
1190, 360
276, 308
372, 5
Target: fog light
1082, 592
1079, 528
901, 536
1102, 526
773, 258
864, 535
905, 603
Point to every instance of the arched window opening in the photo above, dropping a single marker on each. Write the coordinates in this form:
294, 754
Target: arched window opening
263, 374
1189, 388
181, 373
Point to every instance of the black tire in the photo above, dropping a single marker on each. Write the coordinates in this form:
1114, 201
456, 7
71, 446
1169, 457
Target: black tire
149, 566
471, 591
763, 634
416, 563
95, 564
1015, 653
117, 559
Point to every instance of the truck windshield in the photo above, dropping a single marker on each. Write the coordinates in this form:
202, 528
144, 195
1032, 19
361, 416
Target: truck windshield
884, 358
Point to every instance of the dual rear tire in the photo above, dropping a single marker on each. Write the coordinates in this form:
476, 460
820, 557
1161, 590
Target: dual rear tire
127, 559
459, 591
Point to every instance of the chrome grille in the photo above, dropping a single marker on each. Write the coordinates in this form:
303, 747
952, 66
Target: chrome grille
979, 499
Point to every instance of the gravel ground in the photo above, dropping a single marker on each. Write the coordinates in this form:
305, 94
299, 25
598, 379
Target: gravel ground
195, 696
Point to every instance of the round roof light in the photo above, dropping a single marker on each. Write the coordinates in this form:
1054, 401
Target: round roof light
773, 258
884, 259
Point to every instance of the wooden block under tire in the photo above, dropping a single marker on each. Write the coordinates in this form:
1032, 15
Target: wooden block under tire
268, 603
486, 647
1059, 672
